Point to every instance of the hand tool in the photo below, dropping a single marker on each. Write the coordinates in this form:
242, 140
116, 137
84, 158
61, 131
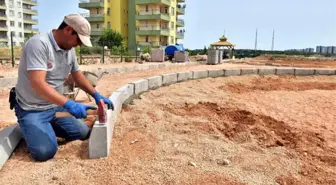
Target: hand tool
101, 112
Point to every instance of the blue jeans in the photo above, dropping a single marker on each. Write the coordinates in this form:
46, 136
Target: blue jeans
40, 128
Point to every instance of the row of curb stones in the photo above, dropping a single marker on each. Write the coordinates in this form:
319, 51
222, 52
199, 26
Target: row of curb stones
100, 146
11, 136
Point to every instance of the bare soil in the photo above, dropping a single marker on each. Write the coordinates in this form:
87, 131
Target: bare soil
298, 63
230, 130
110, 83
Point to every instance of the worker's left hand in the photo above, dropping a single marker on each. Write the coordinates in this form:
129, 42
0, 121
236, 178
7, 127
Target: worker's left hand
98, 97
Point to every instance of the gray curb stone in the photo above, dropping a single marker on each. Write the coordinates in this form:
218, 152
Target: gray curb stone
284, 71
140, 86
232, 72
266, 71
9, 139
249, 71
216, 73
200, 74
154, 82
168, 79
304, 72
325, 72
184, 76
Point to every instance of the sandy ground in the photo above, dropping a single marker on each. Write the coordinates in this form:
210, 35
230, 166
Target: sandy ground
109, 83
230, 130
301, 63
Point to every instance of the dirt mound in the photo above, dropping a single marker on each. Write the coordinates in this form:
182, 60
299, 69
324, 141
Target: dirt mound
281, 83
232, 122
243, 126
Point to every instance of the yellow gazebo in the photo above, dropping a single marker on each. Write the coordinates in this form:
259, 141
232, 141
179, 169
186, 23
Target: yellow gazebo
222, 43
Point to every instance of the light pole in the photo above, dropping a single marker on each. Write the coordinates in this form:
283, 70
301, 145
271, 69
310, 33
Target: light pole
136, 53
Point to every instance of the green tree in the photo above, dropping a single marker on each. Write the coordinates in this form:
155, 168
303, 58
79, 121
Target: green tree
111, 38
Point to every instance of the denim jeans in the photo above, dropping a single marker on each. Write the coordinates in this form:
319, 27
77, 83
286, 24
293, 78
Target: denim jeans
40, 128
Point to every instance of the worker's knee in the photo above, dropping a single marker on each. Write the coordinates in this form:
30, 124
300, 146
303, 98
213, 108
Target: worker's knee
44, 153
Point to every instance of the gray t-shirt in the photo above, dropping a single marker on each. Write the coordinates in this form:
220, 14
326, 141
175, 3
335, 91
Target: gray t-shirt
41, 52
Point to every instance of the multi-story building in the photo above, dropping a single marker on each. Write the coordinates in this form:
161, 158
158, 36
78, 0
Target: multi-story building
141, 22
16, 19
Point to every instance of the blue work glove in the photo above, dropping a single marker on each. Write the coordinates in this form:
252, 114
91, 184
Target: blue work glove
107, 101
77, 109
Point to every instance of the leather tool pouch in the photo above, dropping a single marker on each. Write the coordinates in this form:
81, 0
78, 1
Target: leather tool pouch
12, 98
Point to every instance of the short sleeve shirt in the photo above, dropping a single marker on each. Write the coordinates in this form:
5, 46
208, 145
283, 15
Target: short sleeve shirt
41, 52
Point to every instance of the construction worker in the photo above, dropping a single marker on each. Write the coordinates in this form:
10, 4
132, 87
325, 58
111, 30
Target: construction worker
46, 61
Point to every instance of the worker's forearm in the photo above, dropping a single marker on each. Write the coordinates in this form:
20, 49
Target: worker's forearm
48, 93
83, 83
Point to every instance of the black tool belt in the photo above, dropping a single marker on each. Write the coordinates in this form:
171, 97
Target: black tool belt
12, 98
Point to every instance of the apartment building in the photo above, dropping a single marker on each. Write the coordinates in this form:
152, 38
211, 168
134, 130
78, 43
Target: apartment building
16, 18
141, 22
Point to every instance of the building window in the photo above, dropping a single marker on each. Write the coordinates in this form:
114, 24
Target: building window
147, 38
109, 24
147, 8
20, 24
12, 23
13, 33
172, 25
98, 26
108, 11
11, 13
20, 34
11, 3
19, 4
171, 40
19, 15
97, 10
173, 11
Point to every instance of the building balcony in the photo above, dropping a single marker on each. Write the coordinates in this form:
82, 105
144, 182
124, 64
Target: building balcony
3, 28
152, 15
97, 32
30, 2
180, 23
180, 11
30, 30
180, 35
88, 4
30, 21
151, 43
94, 17
3, 39
165, 2
152, 30
29, 11
3, 6
3, 17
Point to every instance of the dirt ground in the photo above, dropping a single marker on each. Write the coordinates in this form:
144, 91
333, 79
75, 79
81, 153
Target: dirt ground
233, 130
110, 83
301, 63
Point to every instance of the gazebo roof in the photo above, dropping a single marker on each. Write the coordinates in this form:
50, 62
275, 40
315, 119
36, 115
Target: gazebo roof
222, 42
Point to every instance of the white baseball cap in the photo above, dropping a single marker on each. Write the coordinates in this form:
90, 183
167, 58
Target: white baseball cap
81, 26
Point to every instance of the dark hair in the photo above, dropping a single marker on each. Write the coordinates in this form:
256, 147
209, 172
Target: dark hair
63, 25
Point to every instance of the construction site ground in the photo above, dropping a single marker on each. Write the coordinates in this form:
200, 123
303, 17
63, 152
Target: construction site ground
301, 63
227, 130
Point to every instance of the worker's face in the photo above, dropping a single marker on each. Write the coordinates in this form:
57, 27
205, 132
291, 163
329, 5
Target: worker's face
70, 39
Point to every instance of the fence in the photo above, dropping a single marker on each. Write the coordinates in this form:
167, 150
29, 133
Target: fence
107, 52
100, 52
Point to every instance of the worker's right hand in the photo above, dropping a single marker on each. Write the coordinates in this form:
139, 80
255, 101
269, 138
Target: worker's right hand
77, 109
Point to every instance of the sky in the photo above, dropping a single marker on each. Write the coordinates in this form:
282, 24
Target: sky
298, 24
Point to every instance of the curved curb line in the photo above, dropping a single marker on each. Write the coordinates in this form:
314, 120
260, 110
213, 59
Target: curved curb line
11, 81
100, 146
